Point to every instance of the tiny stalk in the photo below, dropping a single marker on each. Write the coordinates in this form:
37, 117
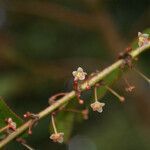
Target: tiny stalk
53, 124
121, 98
95, 93
27, 146
142, 75
24, 143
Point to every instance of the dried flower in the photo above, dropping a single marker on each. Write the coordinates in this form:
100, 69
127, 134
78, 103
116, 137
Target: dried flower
130, 88
143, 39
57, 137
34, 121
97, 106
27, 115
79, 74
11, 124
10, 127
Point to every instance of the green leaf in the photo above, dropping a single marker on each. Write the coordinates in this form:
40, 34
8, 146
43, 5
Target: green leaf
109, 80
64, 123
6, 112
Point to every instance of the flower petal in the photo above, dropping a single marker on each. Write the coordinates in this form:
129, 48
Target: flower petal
100, 110
139, 33
80, 69
145, 35
74, 73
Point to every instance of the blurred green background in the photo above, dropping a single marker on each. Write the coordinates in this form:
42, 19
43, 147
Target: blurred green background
43, 41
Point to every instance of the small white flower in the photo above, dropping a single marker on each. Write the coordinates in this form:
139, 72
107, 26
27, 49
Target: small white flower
97, 106
79, 74
57, 137
143, 39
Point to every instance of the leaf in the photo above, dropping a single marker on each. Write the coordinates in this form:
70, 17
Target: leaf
109, 80
64, 123
6, 112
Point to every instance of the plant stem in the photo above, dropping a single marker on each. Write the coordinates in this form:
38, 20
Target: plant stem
95, 94
72, 94
142, 75
27, 146
53, 124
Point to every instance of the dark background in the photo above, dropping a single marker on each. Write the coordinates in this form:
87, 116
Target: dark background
43, 41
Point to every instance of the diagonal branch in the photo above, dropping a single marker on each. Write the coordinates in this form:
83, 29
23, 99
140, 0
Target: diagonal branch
72, 94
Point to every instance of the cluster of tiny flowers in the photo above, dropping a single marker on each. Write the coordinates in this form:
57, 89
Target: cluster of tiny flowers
11, 124
143, 39
80, 75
